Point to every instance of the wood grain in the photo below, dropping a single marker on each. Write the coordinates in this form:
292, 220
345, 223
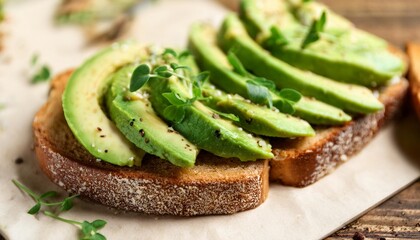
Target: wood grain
397, 218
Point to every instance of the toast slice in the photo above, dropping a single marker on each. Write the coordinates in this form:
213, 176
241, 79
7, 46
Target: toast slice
214, 186
413, 50
303, 161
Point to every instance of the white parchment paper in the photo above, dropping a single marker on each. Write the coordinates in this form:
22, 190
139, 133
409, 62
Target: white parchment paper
385, 166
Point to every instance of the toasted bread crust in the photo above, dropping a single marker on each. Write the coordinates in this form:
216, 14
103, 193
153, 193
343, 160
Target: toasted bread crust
413, 50
300, 162
214, 186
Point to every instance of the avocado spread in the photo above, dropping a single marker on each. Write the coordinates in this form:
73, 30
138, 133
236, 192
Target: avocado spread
278, 70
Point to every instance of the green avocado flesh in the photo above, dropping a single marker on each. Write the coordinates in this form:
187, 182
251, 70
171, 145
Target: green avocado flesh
82, 105
170, 118
343, 53
258, 119
216, 135
210, 57
136, 119
349, 97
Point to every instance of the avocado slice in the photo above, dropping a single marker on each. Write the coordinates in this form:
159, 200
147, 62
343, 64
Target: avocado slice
348, 97
82, 105
135, 118
345, 53
257, 119
210, 57
201, 126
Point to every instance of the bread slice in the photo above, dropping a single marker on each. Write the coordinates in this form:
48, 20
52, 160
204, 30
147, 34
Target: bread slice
413, 50
300, 162
214, 186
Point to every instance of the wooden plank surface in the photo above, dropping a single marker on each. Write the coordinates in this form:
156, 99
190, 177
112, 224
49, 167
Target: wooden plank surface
397, 218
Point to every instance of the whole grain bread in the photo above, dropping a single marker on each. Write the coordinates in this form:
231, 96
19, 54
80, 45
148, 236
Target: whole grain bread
302, 161
214, 186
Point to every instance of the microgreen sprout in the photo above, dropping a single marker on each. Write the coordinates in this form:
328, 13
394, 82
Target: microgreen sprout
260, 89
42, 72
315, 29
41, 200
276, 39
89, 229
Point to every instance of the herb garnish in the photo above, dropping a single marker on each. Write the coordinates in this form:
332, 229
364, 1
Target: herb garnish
176, 111
260, 89
276, 39
315, 29
42, 72
89, 229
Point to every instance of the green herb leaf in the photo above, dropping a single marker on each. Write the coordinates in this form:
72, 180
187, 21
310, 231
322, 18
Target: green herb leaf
290, 94
259, 94
265, 82
87, 228
169, 51
99, 223
175, 67
97, 236
315, 29
48, 194
162, 68
184, 54
174, 99
286, 107
236, 64
66, 205
35, 209
276, 39
43, 74
140, 77
229, 116
201, 78
174, 113
307, 1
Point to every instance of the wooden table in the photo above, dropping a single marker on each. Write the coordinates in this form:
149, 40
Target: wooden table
397, 218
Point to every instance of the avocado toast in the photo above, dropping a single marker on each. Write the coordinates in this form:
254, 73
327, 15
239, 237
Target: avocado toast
215, 185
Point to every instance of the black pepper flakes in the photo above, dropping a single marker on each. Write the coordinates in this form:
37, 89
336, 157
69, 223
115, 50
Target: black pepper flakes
106, 151
146, 140
142, 133
131, 123
19, 160
218, 133
358, 236
99, 129
141, 119
102, 136
249, 120
170, 130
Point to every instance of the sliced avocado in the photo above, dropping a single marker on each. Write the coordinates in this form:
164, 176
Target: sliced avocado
210, 57
343, 53
348, 97
216, 135
136, 119
82, 105
258, 119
